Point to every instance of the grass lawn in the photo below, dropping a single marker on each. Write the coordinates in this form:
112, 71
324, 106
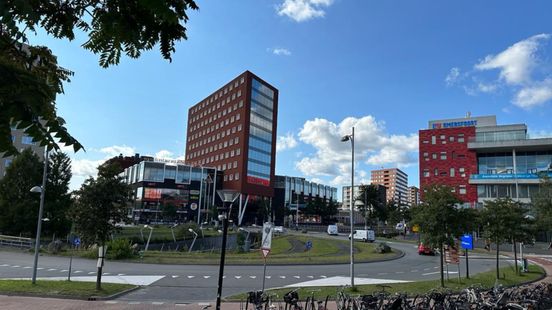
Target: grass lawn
60, 288
484, 279
287, 249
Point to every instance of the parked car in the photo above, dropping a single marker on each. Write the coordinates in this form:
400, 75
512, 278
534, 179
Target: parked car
332, 230
364, 235
425, 250
279, 229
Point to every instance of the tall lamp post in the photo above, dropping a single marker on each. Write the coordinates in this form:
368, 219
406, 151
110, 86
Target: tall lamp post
41, 190
351, 138
227, 196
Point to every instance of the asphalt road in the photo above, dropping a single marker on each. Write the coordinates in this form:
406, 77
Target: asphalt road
194, 283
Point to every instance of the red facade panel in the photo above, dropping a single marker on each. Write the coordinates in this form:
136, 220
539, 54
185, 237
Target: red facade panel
445, 159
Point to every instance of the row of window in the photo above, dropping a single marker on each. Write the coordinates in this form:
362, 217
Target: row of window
218, 106
26, 140
218, 95
443, 155
507, 190
503, 163
232, 177
451, 172
265, 90
460, 138
215, 137
213, 118
215, 157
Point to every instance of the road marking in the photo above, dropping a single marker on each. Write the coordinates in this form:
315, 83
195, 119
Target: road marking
39, 268
323, 277
191, 277
157, 303
16, 266
382, 273
106, 274
224, 277
436, 272
27, 267
64, 270
52, 269
310, 277
4, 265
253, 277
112, 302
134, 303
237, 277
399, 272
77, 271
174, 277
415, 270
282, 277
92, 272
121, 274
268, 277
297, 277
426, 269
206, 277
435, 267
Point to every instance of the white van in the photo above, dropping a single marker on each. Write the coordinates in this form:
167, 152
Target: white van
364, 235
332, 230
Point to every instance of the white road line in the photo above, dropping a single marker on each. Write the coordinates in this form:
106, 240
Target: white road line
121, 274
157, 303
399, 272
4, 265
435, 267
92, 272
111, 302
174, 277
310, 277
27, 267
77, 271
134, 303
253, 277
282, 277
39, 268
52, 269
382, 273
206, 277
323, 277
268, 277
426, 269
191, 277
297, 277
64, 270
436, 272
415, 270
106, 273
16, 266
237, 277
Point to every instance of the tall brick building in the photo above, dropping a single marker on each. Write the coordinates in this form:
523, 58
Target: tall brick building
396, 182
234, 130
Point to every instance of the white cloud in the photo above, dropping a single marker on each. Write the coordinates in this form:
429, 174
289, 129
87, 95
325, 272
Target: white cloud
303, 10
516, 62
85, 167
373, 145
279, 51
115, 150
286, 142
534, 95
536, 134
452, 76
165, 154
520, 70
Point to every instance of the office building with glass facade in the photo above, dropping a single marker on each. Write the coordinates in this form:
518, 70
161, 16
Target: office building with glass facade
481, 160
234, 130
160, 185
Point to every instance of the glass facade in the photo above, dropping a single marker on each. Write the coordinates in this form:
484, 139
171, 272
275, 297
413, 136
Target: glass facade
506, 190
496, 136
260, 132
503, 163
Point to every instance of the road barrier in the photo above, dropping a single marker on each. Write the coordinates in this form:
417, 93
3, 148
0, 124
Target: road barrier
13, 241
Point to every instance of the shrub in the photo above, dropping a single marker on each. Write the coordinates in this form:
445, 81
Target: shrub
120, 249
183, 230
383, 248
55, 246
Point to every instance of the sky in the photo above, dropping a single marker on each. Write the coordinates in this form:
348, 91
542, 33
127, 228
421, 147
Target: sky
384, 67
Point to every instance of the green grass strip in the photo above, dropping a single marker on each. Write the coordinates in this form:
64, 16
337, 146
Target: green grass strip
60, 288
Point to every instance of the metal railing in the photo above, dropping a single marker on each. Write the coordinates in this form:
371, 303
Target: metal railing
13, 241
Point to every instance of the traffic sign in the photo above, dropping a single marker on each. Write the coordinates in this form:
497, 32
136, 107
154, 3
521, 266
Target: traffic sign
265, 252
467, 242
308, 245
76, 241
416, 228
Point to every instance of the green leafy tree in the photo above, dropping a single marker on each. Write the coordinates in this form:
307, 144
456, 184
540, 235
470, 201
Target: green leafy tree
502, 220
30, 78
439, 219
58, 201
101, 204
18, 206
542, 204
372, 206
168, 209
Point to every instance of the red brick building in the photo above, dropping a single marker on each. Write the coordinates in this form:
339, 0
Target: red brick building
234, 130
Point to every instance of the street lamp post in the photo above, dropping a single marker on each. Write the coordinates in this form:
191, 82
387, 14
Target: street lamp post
351, 138
149, 237
41, 190
228, 197
193, 242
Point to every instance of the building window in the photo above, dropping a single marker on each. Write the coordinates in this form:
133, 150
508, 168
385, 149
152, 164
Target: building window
433, 139
452, 172
451, 138
223, 166
237, 176
443, 137
231, 177
443, 155
426, 154
434, 155
426, 173
461, 170
239, 127
27, 140
425, 142
238, 151
225, 177
436, 171
462, 190
461, 138
235, 164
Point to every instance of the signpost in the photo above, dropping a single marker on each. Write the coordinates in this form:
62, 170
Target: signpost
266, 245
76, 243
467, 244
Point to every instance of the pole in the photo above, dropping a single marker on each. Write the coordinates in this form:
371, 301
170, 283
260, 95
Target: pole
297, 207
467, 266
515, 256
70, 265
521, 256
149, 237
222, 256
264, 273
365, 207
40, 212
351, 211
200, 197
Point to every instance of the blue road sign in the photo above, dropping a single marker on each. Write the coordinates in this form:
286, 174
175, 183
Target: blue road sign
308, 245
467, 242
76, 241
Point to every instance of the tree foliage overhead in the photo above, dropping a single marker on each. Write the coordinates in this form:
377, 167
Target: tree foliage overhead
101, 203
30, 78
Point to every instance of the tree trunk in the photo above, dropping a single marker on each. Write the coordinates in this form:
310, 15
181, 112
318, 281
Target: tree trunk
515, 255
497, 253
442, 272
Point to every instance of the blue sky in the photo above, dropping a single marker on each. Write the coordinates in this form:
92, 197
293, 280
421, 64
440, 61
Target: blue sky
386, 67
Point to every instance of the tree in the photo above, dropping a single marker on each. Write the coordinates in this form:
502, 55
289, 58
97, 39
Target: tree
373, 205
58, 201
18, 206
30, 78
542, 204
320, 208
502, 220
439, 219
101, 204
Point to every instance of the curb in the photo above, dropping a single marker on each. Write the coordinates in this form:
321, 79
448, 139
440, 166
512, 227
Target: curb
89, 298
132, 289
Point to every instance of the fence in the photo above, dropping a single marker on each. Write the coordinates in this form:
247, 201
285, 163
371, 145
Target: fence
13, 241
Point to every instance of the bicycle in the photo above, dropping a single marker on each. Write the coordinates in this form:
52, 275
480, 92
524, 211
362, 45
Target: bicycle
312, 304
291, 300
